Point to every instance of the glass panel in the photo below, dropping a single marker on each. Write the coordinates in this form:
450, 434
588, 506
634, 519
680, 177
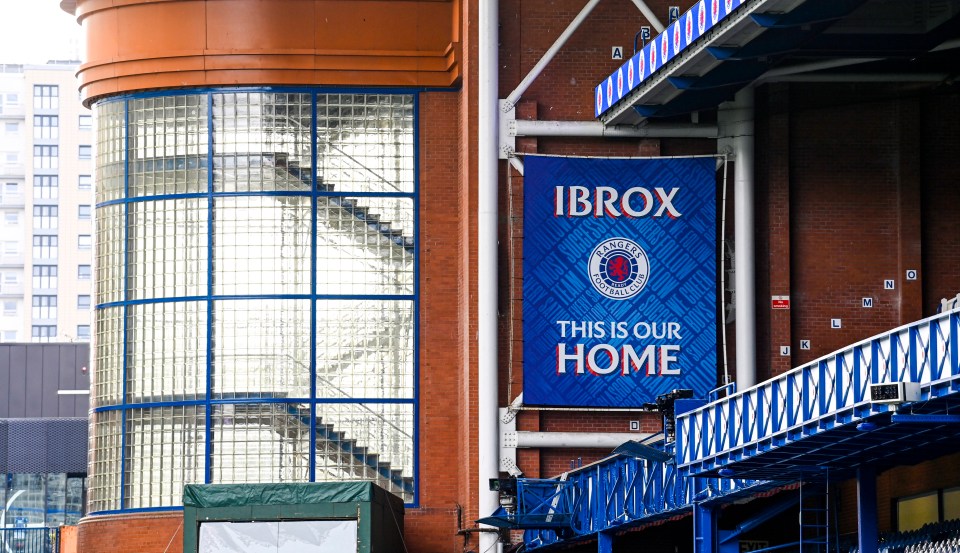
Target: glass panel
165, 448
108, 361
168, 145
261, 443
74, 500
104, 492
56, 499
109, 254
110, 141
365, 246
365, 142
167, 349
914, 512
167, 248
262, 349
262, 142
366, 442
365, 349
262, 245
30, 504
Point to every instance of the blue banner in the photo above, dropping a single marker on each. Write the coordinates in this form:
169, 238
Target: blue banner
619, 279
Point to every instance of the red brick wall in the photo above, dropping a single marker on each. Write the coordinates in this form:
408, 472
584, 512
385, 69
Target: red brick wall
432, 526
139, 533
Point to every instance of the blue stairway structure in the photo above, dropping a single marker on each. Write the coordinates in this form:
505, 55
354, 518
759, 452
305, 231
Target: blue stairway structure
882, 402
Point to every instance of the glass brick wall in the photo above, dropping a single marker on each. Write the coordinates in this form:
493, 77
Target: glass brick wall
256, 293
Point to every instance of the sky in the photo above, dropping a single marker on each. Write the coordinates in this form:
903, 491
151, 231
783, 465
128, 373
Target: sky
35, 31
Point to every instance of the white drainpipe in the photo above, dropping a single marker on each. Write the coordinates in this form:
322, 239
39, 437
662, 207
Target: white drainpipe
600, 440
487, 160
524, 127
736, 132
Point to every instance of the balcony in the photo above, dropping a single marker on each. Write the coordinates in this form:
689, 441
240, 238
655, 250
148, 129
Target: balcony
11, 290
11, 200
12, 170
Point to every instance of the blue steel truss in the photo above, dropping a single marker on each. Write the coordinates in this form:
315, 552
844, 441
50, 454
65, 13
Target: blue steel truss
824, 395
608, 495
820, 402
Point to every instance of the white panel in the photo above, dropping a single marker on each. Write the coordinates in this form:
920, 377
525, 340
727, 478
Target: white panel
308, 536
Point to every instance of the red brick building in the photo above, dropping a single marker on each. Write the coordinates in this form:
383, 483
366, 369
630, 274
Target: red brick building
368, 114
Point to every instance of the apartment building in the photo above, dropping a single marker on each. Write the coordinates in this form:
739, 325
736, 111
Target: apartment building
46, 205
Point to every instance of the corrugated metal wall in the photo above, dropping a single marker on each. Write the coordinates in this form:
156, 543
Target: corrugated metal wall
41, 380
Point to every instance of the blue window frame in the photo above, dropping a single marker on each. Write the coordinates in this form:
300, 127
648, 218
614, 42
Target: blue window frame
257, 298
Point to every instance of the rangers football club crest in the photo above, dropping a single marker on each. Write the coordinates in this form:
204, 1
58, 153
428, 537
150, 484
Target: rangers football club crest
620, 83
676, 38
729, 5
714, 11
689, 26
702, 17
618, 268
610, 90
664, 48
653, 57
599, 100
642, 67
630, 72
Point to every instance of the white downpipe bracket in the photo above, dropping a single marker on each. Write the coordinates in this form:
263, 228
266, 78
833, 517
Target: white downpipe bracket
514, 96
488, 182
736, 132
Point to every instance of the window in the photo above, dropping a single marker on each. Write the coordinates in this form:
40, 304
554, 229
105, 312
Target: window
12, 157
43, 333
11, 188
46, 126
45, 247
46, 96
46, 187
46, 157
86, 122
11, 248
10, 278
84, 272
44, 307
11, 128
9, 308
83, 212
86, 151
44, 277
84, 242
83, 333
9, 335
45, 216
13, 98
85, 182
83, 301
935, 506
11, 218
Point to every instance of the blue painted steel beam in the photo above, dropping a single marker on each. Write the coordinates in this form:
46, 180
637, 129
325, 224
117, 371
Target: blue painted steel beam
924, 419
704, 529
867, 509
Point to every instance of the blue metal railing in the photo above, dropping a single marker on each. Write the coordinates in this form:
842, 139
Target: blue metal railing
29, 540
612, 493
828, 392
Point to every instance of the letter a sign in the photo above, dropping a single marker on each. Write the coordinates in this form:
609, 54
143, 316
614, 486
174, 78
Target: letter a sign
619, 279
